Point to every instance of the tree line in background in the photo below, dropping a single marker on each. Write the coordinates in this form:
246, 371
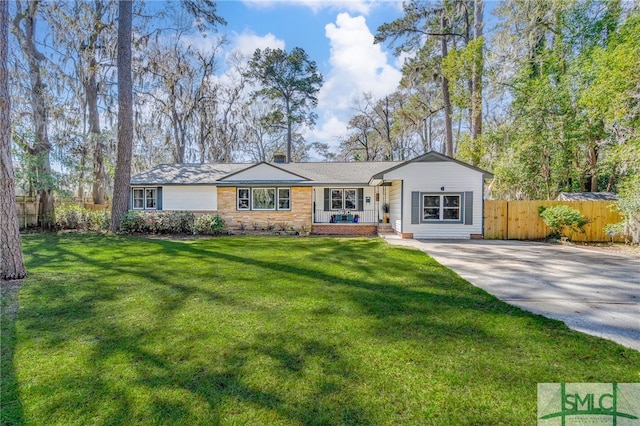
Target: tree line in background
548, 100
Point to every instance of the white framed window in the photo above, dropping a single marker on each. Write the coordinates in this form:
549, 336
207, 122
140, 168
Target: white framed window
244, 199
441, 207
145, 198
150, 198
350, 196
138, 198
264, 198
336, 199
284, 199
344, 199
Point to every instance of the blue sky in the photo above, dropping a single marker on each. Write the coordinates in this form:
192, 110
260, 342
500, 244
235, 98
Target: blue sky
337, 35
302, 23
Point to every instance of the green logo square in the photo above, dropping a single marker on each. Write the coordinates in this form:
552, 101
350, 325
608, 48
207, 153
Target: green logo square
607, 404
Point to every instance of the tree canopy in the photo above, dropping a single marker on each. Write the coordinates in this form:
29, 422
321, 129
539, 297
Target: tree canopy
291, 81
545, 95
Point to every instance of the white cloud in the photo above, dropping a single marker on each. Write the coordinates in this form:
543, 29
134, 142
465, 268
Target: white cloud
207, 44
241, 48
357, 66
330, 131
246, 43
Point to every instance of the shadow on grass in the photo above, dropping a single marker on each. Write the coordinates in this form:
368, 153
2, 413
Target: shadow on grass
144, 370
10, 405
69, 314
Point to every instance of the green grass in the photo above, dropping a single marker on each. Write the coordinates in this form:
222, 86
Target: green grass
115, 330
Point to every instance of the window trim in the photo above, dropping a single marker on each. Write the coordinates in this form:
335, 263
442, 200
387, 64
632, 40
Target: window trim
247, 198
442, 208
276, 198
344, 199
288, 208
145, 200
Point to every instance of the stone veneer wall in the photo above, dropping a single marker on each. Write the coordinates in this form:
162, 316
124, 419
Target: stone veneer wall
298, 217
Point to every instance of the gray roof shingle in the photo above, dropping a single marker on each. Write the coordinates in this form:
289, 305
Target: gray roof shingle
185, 174
352, 172
317, 173
587, 196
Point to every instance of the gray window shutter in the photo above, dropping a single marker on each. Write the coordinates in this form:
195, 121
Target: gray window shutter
326, 199
130, 205
415, 207
468, 208
360, 199
159, 200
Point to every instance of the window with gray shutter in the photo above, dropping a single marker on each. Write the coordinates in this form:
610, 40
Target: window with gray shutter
468, 208
326, 199
415, 207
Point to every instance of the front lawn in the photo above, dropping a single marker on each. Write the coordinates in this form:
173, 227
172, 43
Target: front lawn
267, 331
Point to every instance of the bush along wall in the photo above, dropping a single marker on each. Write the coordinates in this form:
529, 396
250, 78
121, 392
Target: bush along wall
170, 222
73, 216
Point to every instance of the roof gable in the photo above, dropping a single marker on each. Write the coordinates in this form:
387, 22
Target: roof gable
263, 172
432, 157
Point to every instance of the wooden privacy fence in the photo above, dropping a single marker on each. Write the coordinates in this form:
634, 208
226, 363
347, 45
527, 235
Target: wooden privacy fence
27, 211
520, 220
27, 208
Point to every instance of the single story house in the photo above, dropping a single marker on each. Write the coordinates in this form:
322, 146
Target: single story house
431, 196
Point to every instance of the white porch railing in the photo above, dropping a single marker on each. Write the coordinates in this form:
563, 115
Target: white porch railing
344, 216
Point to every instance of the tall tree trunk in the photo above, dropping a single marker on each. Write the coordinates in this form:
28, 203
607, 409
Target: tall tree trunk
476, 78
125, 117
11, 261
446, 97
593, 168
289, 130
89, 81
83, 161
42, 147
99, 174
178, 134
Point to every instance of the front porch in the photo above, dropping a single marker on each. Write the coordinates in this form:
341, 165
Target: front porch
357, 222
345, 217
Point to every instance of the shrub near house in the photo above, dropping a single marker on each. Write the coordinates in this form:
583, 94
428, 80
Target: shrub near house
170, 222
562, 217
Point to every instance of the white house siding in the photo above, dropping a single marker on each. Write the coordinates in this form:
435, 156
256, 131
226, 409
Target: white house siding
195, 198
430, 177
395, 205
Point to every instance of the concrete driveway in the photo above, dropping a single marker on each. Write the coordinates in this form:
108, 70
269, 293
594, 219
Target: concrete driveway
590, 291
